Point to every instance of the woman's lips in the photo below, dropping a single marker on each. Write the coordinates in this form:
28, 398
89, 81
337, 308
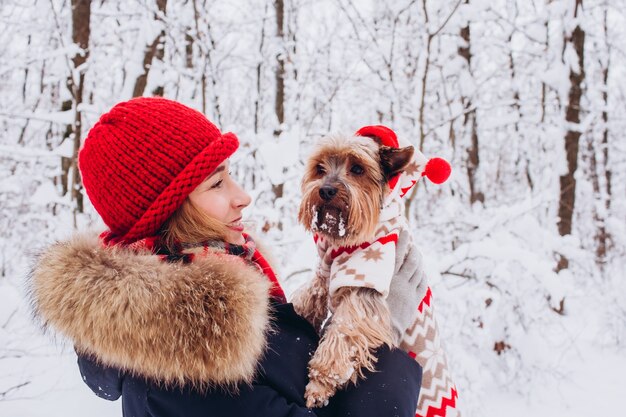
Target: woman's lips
237, 225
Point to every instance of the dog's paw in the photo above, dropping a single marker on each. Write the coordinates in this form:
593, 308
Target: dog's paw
324, 383
317, 394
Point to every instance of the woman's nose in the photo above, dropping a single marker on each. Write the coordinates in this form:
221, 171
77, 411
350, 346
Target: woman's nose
241, 198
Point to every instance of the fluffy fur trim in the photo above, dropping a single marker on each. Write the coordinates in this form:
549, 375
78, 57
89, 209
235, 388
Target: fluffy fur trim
202, 323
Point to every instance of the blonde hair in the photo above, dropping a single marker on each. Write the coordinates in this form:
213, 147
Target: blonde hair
189, 224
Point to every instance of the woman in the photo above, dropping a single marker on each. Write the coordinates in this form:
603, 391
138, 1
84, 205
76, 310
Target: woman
174, 308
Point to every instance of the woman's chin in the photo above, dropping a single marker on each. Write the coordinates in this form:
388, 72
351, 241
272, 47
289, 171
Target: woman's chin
235, 238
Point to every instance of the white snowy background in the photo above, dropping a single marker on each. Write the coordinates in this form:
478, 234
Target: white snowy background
522, 339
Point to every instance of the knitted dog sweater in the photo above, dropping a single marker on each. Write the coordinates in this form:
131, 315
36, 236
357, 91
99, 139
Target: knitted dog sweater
371, 265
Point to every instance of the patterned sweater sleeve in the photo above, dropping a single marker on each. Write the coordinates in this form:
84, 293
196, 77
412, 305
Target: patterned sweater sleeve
370, 265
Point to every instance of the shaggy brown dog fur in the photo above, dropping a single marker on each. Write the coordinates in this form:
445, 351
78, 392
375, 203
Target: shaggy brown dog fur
202, 323
344, 186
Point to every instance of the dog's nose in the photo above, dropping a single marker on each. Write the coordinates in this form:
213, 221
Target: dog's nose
327, 192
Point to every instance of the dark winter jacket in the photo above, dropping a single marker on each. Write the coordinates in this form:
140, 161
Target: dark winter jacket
195, 340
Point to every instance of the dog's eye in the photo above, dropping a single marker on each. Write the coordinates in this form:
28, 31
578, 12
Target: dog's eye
357, 169
320, 169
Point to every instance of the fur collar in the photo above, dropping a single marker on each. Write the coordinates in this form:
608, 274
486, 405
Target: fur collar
202, 323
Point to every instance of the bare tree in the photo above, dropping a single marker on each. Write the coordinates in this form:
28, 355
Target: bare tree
431, 35
279, 101
546, 48
604, 236
429, 39
81, 15
207, 45
599, 169
469, 121
572, 118
154, 50
259, 74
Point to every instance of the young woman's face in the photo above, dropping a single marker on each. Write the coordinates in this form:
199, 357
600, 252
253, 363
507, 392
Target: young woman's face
220, 197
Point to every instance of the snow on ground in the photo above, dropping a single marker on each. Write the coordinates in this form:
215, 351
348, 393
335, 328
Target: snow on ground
56, 389
38, 373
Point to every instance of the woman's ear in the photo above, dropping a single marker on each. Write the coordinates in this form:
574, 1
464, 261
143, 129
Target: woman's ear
394, 160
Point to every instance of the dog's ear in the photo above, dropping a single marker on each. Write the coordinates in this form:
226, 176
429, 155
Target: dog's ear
394, 160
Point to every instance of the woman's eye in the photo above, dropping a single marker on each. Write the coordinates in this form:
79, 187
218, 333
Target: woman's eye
320, 169
217, 184
357, 169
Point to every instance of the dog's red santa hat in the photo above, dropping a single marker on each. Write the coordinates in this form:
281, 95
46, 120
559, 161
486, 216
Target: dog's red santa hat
436, 170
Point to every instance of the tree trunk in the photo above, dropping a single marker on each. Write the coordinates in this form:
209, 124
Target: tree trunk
469, 121
279, 103
188, 49
422, 107
154, 50
603, 237
259, 73
207, 46
572, 137
544, 86
598, 219
81, 15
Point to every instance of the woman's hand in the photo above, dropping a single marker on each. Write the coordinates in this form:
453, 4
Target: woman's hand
408, 285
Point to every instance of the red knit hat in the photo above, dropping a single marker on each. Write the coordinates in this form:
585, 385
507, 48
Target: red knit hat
143, 158
435, 169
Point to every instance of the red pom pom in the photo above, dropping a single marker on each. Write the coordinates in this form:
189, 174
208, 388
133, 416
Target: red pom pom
437, 170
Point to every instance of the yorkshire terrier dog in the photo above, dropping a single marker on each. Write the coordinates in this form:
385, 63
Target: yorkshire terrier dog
351, 202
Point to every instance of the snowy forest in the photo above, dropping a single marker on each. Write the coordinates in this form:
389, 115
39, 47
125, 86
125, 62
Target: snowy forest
524, 245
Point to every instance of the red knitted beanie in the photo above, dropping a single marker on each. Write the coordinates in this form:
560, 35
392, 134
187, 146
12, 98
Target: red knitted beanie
142, 159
